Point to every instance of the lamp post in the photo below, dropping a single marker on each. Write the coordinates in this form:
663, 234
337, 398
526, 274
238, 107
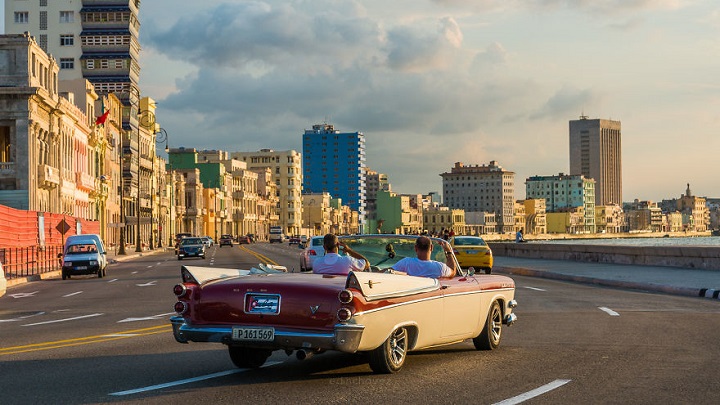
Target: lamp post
160, 137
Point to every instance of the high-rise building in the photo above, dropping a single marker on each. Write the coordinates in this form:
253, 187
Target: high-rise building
483, 188
286, 171
92, 39
334, 162
595, 152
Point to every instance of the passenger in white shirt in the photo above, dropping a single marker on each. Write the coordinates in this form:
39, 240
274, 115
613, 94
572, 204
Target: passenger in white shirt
422, 265
333, 263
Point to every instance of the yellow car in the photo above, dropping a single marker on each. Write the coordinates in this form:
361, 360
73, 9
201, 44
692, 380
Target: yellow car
472, 251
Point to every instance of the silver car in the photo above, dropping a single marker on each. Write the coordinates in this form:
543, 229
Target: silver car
313, 250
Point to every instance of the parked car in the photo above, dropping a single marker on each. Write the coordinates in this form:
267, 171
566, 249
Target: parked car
208, 241
472, 251
244, 239
294, 240
191, 247
3, 281
226, 240
314, 250
382, 314
83, 256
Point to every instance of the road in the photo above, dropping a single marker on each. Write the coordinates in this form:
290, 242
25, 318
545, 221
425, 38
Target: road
90, 340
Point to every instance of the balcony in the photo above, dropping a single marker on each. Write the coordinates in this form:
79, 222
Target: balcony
84, 181
48, 176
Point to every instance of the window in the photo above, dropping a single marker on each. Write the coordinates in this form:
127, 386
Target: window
67, 40
22, 17
90, 64
43, 3
67, 16
43, 21
67, 63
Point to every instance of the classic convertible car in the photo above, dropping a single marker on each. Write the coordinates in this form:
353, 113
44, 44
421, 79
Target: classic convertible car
385, 315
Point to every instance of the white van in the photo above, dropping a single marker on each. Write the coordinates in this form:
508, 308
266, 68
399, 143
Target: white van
84, 254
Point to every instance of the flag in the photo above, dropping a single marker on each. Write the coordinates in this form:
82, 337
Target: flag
101, 119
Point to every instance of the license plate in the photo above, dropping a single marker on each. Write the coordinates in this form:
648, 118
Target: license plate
265, 304
253, 333
81, 268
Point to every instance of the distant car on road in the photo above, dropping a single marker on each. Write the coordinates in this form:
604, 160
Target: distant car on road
314, 250
191, 247
244, 240
208, 241
226, 240
83, 256
294, 240
472, 251
3, 281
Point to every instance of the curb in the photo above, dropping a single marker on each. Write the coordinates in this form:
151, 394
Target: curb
681, 291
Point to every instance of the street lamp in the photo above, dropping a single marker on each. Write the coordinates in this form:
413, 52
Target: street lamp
160, 136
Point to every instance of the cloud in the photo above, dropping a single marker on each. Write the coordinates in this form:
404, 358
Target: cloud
567, 102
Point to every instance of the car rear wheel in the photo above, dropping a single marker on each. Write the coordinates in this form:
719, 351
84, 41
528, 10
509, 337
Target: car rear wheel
390, 356
100, 273
64, 275
489, 338
244, 357
488, 270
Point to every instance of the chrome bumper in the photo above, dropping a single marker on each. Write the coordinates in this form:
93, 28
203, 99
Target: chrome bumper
344, 338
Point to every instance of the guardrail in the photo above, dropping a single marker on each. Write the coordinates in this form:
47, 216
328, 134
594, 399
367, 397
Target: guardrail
30, 261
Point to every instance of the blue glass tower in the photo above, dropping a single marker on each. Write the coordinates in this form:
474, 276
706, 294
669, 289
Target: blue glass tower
333, 162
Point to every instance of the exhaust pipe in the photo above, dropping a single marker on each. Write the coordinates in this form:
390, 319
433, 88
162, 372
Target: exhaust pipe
303, 354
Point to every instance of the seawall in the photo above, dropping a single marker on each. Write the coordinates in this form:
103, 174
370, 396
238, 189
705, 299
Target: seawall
694, 257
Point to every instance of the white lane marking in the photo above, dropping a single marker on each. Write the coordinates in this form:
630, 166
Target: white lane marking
71, 294
24, 295
534, 288
187, 380
134, 272
609, 311
147, 318
63, 320
534, 393
19, 318
149, 267
113, 280
148, 284
122, 335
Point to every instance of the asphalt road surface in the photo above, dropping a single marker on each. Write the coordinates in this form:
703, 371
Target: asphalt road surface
88, 340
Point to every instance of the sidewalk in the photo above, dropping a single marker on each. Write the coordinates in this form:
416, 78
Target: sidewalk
668, 280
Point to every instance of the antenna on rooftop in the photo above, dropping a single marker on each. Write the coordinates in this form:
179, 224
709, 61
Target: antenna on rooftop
582, 115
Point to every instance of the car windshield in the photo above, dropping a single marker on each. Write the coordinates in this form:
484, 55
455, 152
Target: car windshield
383, 251
469, 241
191, 241
226, 237
81, 249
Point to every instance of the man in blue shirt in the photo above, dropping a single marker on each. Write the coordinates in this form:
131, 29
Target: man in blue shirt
422, 265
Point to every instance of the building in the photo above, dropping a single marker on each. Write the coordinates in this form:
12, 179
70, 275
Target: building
287, 174
482, 188
643, 216
397, 215
92, 39
334, 162
374, 182
437, 219
609, 219
595, 152
565, 191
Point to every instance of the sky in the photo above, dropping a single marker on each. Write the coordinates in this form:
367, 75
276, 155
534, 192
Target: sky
434, 82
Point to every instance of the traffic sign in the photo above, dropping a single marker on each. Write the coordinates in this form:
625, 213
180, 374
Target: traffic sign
63, 227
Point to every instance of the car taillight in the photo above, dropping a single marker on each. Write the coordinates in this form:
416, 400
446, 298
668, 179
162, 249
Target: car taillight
344, 314
312, 252
345, 296
180, 290
455, 251
181, 307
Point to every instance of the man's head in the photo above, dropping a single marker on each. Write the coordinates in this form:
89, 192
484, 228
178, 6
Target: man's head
330, 243
423, 247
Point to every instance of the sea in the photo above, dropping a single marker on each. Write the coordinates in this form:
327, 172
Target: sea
707, 241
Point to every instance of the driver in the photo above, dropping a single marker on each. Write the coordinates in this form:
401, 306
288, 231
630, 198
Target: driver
422, 265
333, 263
